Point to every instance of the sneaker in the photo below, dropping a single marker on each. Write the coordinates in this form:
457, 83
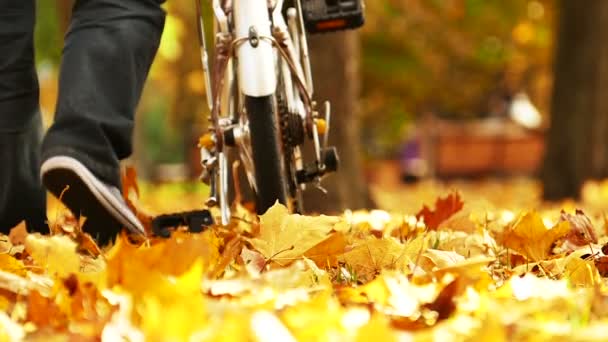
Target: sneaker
102, 204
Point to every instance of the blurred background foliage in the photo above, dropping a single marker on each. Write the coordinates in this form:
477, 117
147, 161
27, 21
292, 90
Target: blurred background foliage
452, 58
449, 57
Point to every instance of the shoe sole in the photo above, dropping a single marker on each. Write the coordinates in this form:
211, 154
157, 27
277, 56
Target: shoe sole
84, 195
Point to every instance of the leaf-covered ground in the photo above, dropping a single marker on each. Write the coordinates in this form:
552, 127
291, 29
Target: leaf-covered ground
472, 261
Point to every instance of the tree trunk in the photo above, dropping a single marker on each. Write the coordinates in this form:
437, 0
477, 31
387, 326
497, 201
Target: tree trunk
335, 64
577, 144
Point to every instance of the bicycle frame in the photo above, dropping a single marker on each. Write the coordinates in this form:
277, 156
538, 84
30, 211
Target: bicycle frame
271, 57
256, 67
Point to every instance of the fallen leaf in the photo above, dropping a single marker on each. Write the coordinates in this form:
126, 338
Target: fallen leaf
145, 269
442, 259
368, 257
377, 329
130, 193
581, 229
285, 237
231, 251
326, 253
86, 244
460, 221
529, 236
444, 209
57, 254
471, 267
12, 265
445, 303
601, 263
86, 304
43, 311
129, 182
254, 261
18, 234
581, 272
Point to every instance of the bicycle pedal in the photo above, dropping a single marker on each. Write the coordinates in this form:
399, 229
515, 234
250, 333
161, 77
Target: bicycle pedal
196, 220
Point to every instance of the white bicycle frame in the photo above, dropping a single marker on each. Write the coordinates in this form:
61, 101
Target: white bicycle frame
256, 58
265, 47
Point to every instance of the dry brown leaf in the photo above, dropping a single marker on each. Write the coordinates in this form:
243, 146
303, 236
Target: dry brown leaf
254, 261
581, 232
18, 234
601, 263
444, 209
529, 237
285, 237
445, 303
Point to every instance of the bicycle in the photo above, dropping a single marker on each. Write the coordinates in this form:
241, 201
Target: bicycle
259, 92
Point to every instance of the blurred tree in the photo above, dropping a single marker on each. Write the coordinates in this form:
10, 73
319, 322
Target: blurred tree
577, 140
173, 103
335, 59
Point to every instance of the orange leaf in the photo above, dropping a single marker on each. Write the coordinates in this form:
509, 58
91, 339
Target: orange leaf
44, 312
87, 244
529, 237
129, 182
130, 193
327, 251
444, 209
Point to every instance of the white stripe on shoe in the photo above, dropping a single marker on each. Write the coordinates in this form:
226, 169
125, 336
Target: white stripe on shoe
107, 195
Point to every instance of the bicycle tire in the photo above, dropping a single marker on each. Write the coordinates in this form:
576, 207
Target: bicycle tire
267, 152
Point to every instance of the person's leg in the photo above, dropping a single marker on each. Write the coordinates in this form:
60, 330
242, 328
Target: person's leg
108, 51
22, 196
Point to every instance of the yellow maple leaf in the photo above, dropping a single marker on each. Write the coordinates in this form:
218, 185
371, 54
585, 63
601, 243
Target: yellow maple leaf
56, 253
529, 236
285, 237
144, 270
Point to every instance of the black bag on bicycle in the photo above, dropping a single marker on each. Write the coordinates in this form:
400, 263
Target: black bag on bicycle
332, 15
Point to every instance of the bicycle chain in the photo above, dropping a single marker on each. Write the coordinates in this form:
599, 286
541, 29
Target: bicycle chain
292, 128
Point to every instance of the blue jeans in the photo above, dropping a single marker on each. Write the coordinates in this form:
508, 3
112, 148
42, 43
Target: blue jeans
108, 50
